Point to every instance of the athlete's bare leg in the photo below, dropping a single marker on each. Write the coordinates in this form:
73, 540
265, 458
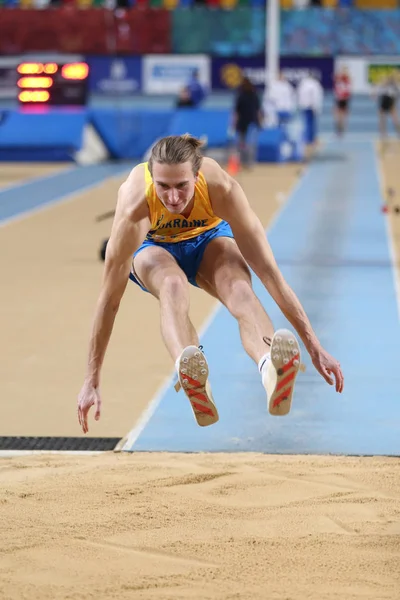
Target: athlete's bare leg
159, 272
395, 119
338, 120
341, 119
224, 274
382, 125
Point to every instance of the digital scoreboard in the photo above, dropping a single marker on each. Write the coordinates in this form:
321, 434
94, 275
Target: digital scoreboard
52, 83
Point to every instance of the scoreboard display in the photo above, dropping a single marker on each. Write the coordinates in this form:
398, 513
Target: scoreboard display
53, 84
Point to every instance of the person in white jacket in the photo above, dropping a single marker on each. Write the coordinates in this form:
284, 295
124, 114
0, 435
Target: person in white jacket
310, 97
280, 95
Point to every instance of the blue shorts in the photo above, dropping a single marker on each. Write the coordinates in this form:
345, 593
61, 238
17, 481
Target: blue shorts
284, 117
189, 253
310, 126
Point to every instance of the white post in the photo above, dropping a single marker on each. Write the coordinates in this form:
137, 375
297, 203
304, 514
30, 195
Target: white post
272, 40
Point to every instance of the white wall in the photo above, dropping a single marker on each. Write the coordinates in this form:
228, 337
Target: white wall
358, 69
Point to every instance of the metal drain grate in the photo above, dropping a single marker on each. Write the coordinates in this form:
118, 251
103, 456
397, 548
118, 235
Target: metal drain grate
81, 444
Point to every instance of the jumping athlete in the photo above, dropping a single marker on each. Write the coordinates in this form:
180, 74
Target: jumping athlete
180, 219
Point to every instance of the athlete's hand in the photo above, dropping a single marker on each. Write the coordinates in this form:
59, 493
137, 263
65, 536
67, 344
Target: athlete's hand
329, 368
89, 396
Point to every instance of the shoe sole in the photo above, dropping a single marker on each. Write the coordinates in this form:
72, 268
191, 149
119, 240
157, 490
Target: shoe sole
285, 357
193, 377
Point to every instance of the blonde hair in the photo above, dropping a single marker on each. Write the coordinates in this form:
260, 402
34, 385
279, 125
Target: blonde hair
175, 150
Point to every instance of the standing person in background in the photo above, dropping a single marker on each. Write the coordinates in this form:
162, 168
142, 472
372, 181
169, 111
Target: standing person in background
184, 99
195, 89
280, 93
246, 117
388, 93
342, 93
310, 97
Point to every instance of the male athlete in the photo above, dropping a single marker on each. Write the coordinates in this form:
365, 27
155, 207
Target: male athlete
184, 220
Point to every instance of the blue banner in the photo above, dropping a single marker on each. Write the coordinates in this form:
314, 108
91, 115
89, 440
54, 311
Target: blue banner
120, 76
227, 72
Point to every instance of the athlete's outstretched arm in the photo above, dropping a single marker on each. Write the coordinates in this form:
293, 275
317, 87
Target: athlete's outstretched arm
230, 203
129, 229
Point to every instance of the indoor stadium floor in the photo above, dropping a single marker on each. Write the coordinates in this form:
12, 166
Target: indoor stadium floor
257, 507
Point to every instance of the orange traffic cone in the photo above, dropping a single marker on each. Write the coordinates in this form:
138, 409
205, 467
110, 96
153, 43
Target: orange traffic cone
233, 166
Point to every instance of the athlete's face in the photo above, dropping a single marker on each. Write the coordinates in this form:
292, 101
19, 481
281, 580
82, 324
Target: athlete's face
174, 185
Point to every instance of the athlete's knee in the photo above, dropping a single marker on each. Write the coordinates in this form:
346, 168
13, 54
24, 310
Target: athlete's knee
174, 286
240, 296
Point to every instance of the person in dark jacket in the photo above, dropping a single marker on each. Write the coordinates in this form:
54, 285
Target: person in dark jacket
247, 117
388, 93
184, 99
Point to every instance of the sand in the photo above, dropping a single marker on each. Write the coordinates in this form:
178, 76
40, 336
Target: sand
222, 526
163, 526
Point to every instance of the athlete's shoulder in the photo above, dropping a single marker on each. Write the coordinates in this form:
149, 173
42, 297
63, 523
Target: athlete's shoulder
214, 174
220, 187
142, 169
138, 172
132, 193
135, 183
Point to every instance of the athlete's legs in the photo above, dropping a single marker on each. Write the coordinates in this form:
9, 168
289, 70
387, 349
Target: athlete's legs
395, 119
338, 123
341, 116
382, 124
224, 274
345, 114
241, 146
159, 272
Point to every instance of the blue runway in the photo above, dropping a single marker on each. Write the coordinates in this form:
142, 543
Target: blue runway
331, 244
35, 194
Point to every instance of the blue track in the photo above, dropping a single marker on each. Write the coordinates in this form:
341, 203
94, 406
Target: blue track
331, 244
37, 193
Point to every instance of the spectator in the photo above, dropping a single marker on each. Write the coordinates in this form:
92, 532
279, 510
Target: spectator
388, 93
281, 95
247, 118
310, 96
341, 92
196, 89
184, 99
